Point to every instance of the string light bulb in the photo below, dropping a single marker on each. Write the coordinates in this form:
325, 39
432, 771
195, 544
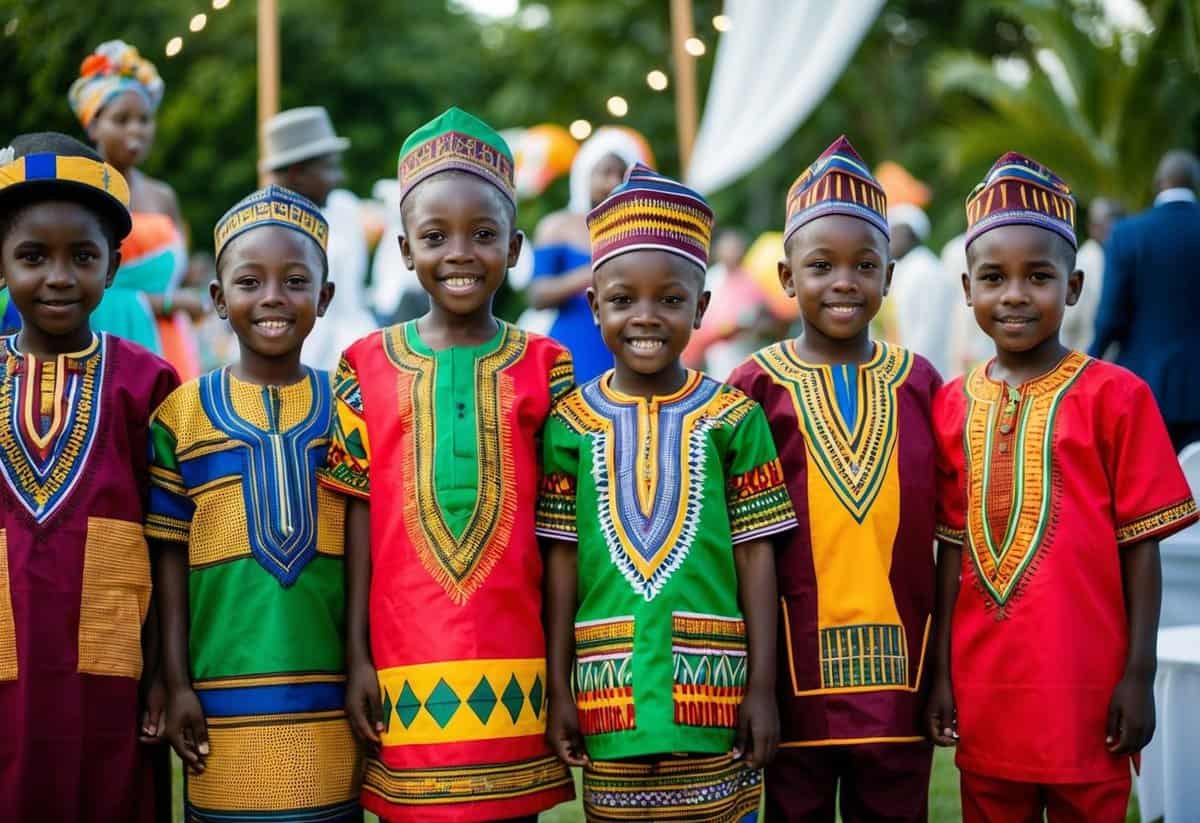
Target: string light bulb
657, 80
580, 129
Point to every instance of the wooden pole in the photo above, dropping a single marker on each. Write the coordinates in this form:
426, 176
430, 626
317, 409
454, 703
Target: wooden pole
268, 70
686, 117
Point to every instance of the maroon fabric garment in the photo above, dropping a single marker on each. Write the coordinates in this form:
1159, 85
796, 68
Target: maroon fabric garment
880, 550
879, 781
77, 582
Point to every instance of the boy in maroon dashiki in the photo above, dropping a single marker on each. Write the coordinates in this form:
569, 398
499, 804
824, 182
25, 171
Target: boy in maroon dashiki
74, 437
851, 418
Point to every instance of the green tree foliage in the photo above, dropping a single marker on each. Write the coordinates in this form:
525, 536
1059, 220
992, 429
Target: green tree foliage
922, 90
1099, 106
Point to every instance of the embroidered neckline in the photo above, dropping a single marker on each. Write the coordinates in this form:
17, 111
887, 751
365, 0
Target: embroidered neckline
40, 467
460, 564
853, 461
279, 486
1002, 566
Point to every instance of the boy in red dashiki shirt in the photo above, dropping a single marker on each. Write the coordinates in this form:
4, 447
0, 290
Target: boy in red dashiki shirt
436, 446
1056, 481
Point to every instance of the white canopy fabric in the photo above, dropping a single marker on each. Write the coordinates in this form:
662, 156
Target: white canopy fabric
772, 69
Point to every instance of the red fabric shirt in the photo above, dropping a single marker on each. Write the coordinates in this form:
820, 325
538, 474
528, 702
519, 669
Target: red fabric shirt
455, 617
1043, 484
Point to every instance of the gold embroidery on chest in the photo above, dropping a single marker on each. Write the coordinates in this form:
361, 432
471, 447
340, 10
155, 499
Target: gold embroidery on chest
1003, 561
852, 461
459, 564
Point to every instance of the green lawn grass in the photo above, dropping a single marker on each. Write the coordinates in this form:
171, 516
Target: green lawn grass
944, 804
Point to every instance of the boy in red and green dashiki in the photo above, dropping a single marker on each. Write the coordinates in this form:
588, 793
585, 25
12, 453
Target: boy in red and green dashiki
436, 446
1056, 481
852, 419
661, 490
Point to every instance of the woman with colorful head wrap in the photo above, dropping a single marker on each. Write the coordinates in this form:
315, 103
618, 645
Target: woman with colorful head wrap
562, 257
115, 98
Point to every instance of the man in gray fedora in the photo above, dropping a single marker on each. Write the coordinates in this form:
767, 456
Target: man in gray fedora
302, 152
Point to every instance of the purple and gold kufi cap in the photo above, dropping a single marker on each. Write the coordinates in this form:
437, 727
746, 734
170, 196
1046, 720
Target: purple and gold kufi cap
1019, 191
651, 211
838, 182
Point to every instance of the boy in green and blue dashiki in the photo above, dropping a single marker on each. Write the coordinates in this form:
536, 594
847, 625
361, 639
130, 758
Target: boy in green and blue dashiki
660, 492
248, 549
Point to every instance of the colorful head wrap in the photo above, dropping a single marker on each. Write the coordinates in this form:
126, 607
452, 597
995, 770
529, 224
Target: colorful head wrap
1021, 192
650, 211
272, 206
458, 141
113, 68
48, 164
839, 182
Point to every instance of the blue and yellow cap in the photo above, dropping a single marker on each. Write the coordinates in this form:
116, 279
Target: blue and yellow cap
39, 165
272, 206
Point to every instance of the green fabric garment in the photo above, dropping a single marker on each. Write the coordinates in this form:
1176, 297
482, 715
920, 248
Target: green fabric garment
456, 438
658, 587
294, 629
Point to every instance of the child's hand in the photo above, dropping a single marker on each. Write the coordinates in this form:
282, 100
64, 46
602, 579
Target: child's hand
758, 729
1130, 715
941, 716
562, 731
186, 730
363, 705
154, 705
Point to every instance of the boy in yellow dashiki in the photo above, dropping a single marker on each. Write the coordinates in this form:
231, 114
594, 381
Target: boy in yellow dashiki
852, 421
661, 490
249, 549
436, 446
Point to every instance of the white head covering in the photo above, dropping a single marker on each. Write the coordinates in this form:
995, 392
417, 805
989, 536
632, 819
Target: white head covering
906, 214
605, 141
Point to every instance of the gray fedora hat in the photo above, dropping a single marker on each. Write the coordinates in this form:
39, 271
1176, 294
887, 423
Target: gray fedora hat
299, 134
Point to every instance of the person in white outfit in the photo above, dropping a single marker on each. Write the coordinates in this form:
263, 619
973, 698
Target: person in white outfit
1079, 323
303, 153
923, 295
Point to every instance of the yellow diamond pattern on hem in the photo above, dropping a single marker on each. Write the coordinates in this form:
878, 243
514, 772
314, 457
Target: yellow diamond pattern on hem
463, 700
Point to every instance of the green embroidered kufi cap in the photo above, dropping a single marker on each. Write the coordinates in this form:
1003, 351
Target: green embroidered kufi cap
459, 141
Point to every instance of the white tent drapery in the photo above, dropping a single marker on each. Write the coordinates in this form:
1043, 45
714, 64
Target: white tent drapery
772, 69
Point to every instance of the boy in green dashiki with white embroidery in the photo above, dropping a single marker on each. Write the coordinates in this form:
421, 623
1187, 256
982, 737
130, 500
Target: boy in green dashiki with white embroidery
661, 488
248, 550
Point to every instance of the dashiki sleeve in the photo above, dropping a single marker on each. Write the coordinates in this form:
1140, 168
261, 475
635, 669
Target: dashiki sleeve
555, 519
1151, 497
346, 467
562, 376
755, 492
948, 419
170, 510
